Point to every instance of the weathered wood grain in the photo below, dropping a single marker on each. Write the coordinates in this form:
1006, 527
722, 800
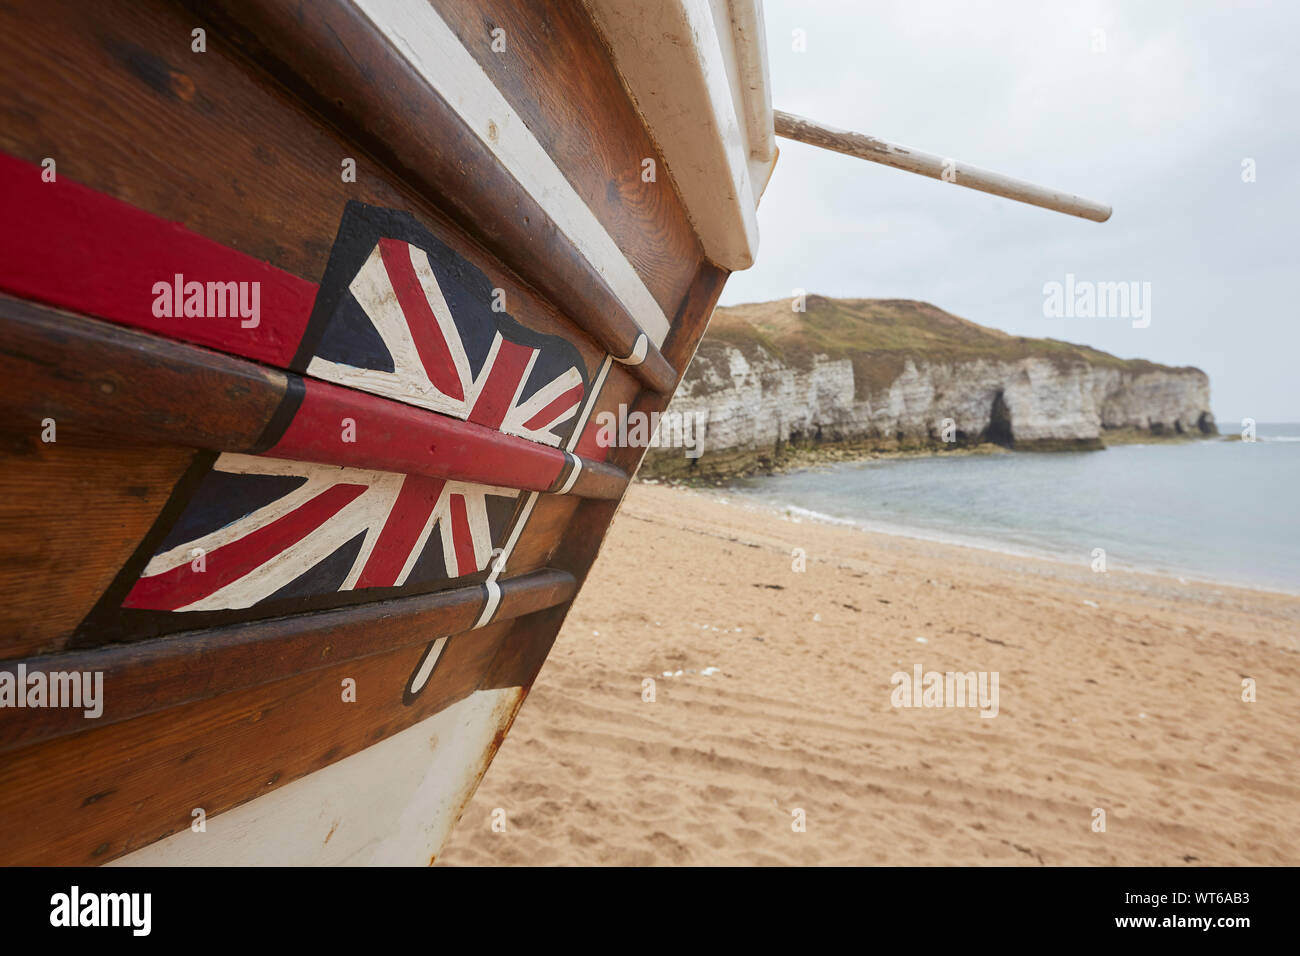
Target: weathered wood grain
547, 524
182, 668
90, 797
70, 516
98, 381
596, 479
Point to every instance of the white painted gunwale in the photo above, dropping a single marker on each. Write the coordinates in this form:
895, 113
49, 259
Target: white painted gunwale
430, 46
697, 71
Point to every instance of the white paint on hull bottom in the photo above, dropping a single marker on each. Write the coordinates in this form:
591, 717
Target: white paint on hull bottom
392, 804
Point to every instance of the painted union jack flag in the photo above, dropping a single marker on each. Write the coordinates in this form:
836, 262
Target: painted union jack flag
262, 529
400, 331
401, 315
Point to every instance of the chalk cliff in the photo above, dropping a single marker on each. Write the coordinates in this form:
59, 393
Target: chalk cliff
895, 374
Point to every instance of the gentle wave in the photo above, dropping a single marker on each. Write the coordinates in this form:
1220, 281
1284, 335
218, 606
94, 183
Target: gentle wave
920, 534
1213, 511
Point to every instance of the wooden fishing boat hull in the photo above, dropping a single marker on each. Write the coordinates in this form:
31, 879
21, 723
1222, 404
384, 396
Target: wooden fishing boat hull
308, 316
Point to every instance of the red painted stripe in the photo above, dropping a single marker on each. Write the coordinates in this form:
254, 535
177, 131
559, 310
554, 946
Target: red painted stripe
589, 447
466, 562
435, 355
183, 585
401, 531
400, 438
552, 411
502, 382
68, 245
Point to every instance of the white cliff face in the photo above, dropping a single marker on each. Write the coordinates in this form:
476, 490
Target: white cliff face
751, 404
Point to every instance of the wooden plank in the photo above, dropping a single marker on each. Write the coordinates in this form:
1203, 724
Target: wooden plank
90, 797
97, 380
390, 436
153, 675
519, 658
692, 319
421, 37
596, 479
689, 88
547, 524
392, 804
70, 516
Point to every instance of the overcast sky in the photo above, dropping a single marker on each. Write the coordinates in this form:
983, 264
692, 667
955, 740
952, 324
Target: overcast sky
1157, 125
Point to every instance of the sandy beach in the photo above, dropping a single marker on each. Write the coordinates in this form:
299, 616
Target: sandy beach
1119, 692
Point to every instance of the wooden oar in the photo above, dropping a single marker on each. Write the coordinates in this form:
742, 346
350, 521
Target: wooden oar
943, 168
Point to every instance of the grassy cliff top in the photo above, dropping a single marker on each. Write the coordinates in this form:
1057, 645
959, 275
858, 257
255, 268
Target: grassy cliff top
879, 335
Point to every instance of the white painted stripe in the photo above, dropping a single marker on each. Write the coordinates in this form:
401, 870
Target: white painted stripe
752, 85
480, 533
474, 388
234, 463
638, 352
449, 556
441, 313
427, 663
490, 605
523, 380
591, 403
425, 41
461, 486
518, 415
380, 519
499, 564
573, 475
319, 479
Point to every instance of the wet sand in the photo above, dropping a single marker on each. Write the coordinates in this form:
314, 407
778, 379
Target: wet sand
1119, 692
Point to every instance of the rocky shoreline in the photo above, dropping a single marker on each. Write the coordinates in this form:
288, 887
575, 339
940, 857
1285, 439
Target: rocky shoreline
670, 466
849, 379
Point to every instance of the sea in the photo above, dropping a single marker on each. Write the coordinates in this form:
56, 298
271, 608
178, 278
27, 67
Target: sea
1214, 509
